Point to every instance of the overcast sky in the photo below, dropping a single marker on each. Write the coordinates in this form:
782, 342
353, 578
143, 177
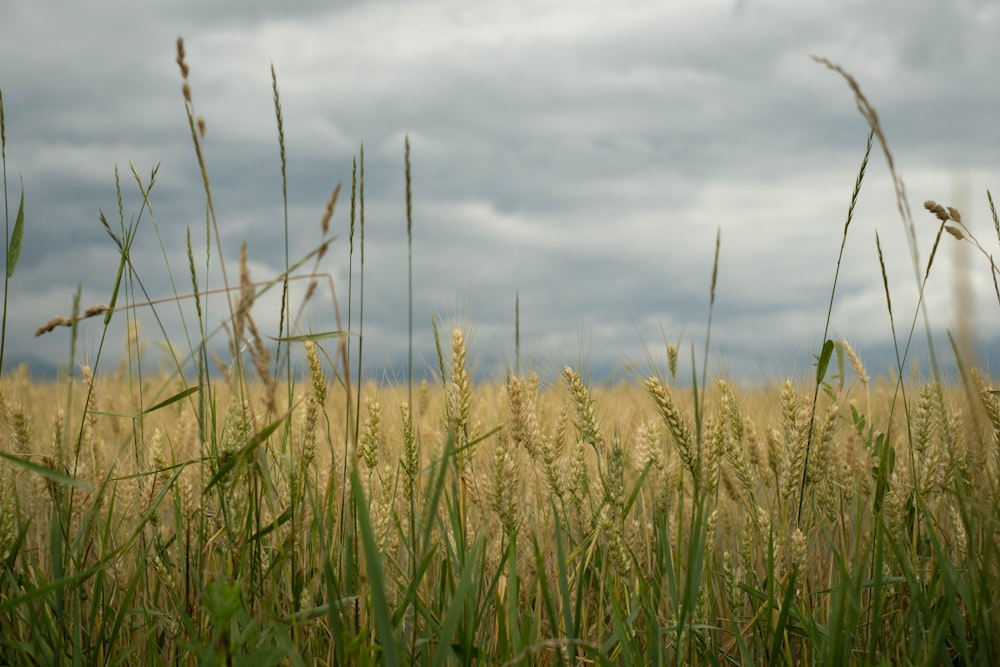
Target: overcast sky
582, 155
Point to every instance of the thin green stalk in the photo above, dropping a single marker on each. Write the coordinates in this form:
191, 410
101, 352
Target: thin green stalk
903, 206
196, 127
409, 265
285, 325
699, 399
12, 240
410, 432
144, 190
361, 290
361, 327
350, 265
350, 430
824, 356
285, 319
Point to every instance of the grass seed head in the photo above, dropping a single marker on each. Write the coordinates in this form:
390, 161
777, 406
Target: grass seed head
316, 372
611, 526
459, 397
371, 436
382, 508
157, 459
856, 364
731, 578
961, 537
798, 552
939, 211
579, 477
954, 231
614, 475
57, 321
310, 420
328, 212
189, 499
505, 487
247, 296
646, 447
181, 60
20, 427
672, 355
590, 433
411, 452
678, 427
523, 418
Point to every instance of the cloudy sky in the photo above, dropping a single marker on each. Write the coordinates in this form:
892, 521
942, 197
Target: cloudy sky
580, 154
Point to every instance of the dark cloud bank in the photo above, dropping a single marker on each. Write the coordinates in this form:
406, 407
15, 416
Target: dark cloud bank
581, 157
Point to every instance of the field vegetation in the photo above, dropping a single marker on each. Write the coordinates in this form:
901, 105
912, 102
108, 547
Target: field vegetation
275, 507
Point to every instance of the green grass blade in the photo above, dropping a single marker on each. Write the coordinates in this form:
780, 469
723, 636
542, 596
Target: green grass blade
47, 473
457, 607
548, 603
566, 601
179, 396
14, 246
778, 636
269, 528
315, 337
376, 576
824, 361
52, 586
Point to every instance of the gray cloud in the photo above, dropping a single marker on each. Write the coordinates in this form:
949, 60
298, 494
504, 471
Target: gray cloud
579, 155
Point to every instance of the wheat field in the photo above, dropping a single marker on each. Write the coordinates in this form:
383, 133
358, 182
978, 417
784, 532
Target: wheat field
275, 507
